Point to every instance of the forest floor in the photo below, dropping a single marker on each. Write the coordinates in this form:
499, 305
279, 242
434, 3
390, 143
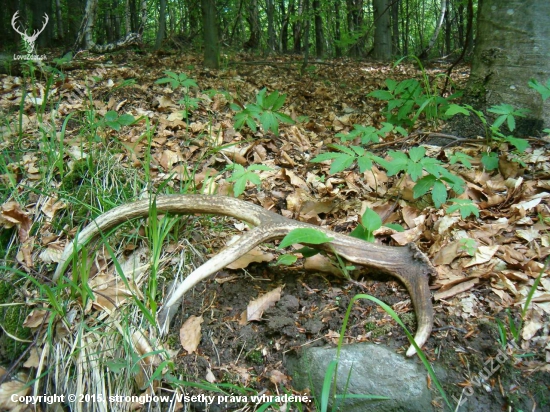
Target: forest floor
479, 296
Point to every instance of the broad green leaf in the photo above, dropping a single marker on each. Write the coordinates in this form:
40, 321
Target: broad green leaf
381, 94
364, 163
111, 116
286, 259
417, 153
423, 186
439, 193
259, 167
304, 235
414, 170
490, 161
459, 157
465, 206
361, 233
395, 226
371, 220
455, 109
341, 163
520, 144
126, 119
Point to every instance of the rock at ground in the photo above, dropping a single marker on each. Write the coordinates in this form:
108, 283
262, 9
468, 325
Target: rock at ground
372, 370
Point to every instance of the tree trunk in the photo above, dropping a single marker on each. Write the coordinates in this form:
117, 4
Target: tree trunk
284, 29
337, 34
210, 34
448, 29
297, 25
511, 48
162, 25
395, 26
60, 30
432, 41
382, 31
253, 19
319, 38
271, 41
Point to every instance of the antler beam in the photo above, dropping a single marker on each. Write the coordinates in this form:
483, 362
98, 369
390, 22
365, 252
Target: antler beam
406, 263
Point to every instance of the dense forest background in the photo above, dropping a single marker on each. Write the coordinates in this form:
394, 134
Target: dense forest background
324, 28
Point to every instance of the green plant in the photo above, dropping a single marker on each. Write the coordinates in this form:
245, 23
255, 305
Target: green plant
370, 221
465, 206
345, 156
506, 113
242, 176
416, 164
409, 99
157, 231
265, 111
543, 89
115, 122
370, 134
333, 366
468, 245
181, 80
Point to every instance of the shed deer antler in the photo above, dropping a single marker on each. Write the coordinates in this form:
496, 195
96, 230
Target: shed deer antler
406, 263
30, 40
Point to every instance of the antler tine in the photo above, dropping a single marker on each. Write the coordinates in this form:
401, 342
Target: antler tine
37, 32
13, 21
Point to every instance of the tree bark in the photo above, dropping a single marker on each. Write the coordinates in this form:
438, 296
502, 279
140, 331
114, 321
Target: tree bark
319, 38
210, 34
382, 31
512, 47
432, 41
162, 25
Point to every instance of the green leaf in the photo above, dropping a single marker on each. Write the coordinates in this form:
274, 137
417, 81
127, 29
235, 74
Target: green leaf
371, 220
459, 157
395, 226
423, 186
341, 163
113, 125
439, 193
381, 94
544, 90
520, 144
308, 251
455, 109
465, 206
490, 161
126, 119
361, 233
111, 116
286, 259
305, 235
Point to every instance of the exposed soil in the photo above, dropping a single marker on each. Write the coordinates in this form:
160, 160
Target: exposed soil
310, 313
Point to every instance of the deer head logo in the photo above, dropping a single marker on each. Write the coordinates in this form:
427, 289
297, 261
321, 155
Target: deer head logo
29, 40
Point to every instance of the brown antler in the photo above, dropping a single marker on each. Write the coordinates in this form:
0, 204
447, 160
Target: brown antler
408, 264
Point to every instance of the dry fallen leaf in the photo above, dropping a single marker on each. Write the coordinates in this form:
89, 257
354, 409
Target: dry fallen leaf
11, 214
255, 255
483, 255
257, 307
7, 389
190, 333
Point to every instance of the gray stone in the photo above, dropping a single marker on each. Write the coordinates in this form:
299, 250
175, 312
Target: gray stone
375, 370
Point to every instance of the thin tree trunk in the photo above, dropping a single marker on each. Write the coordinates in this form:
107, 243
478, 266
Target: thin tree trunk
382, 32
210, 34
162, 25
432, 41
319, 38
